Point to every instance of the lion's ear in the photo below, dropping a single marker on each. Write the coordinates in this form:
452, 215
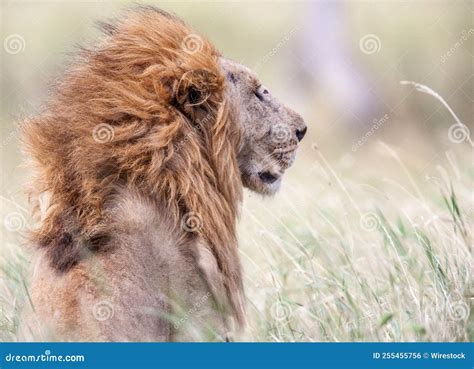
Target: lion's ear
196, 92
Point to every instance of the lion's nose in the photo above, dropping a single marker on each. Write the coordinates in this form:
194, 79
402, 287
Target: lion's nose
300, 133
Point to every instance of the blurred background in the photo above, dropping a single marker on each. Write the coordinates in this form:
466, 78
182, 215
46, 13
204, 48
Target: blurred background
339, 64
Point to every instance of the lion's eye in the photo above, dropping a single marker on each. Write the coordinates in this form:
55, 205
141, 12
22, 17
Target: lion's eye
260, 92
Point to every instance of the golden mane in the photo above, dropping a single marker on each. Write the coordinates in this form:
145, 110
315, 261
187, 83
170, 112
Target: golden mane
168, 133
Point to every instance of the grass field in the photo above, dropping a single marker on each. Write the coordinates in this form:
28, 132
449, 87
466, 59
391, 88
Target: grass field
389, 259
363, 249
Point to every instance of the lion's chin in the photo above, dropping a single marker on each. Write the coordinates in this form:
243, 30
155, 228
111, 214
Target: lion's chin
263, 183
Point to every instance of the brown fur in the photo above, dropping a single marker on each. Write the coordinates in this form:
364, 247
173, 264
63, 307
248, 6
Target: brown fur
139, 82
188, 133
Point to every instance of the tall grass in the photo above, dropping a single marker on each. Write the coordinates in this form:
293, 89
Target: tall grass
372, 249
323, 275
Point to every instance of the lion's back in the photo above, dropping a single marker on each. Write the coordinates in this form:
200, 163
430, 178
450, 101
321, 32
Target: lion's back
144, 288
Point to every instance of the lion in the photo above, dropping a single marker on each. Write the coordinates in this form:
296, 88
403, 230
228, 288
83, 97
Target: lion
140, 158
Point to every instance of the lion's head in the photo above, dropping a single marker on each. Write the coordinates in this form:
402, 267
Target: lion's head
271, 131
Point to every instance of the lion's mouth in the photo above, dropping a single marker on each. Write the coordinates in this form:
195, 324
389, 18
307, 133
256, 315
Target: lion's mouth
267, 177
274, 169
285, 150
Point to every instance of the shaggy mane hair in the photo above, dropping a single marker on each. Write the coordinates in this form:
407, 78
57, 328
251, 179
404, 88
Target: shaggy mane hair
173, 140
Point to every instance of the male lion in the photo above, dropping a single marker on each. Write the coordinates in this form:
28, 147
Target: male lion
140, 159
